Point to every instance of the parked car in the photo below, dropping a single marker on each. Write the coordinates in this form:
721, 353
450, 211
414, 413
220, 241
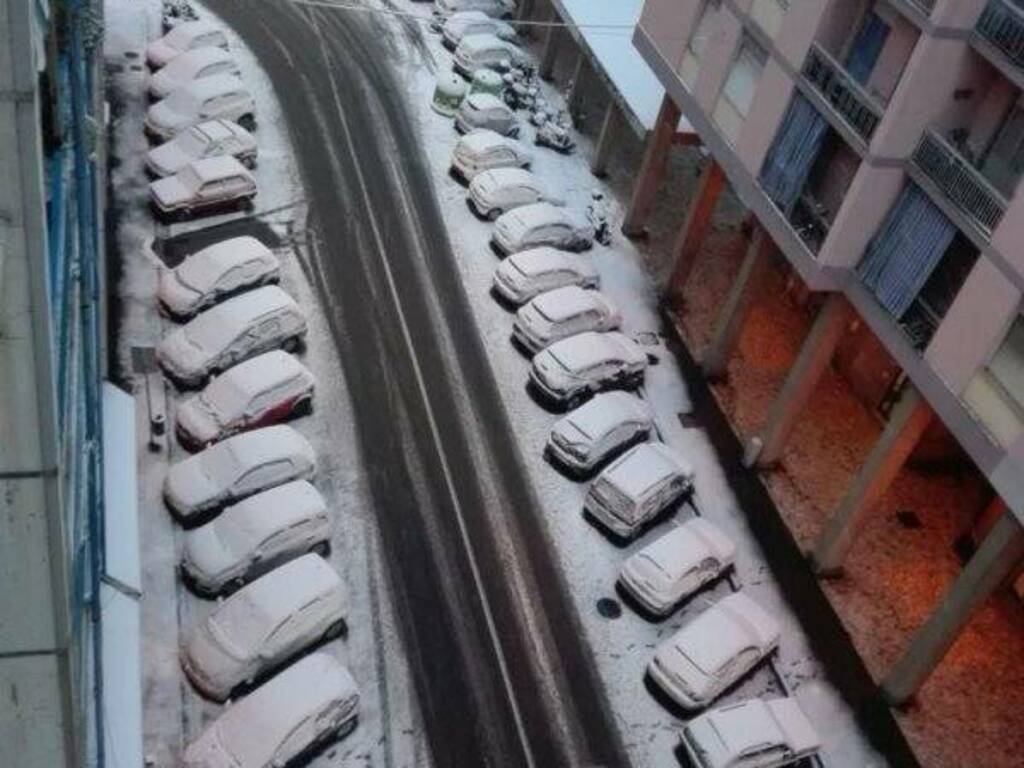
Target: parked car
493, 192
637, 487
222, 97
755, 733
498, 9
190, 66
216, 182
598, 431
714, 651
215, 273
663, 574
240, 328
255, 535
466, 23
264, 624
562, 313
236, 468
571, 370
487, 52
184, 37
214, 138
531, 226
485, 110
527, 274
309, 704
484, 150
263, 390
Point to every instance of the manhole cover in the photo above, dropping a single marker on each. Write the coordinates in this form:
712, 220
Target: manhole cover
909, 519
609, 608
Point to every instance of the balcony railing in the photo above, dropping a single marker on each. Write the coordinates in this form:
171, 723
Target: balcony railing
855, 106
1002, 25
960, 182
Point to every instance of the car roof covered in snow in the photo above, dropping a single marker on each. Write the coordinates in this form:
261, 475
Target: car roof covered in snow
538, 261
232, 252
606, 411
245, 308
262, 445
687, 545
215, 85
190, 30
483, 140
643, 467
259, 374
215, 130
257, 723
485, 101
583, 350
213, 168
195, 59
760, 723
274, 508
508, 177
565, 303
537, 215
484, 42
724, 630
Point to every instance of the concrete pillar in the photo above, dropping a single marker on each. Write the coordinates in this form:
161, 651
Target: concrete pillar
907, 423
734, 311
607, 139
695, 227
996, 559
648, 179
765, 448
576, 91
552, 41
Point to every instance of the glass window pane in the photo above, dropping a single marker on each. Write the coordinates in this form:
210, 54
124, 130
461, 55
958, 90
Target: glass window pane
1008, 364
743, 77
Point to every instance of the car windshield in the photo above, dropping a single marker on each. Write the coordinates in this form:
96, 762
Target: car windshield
199, 273
209, 331
192, 142
225, 397
179, 37
182, 101
220, 464
189, 178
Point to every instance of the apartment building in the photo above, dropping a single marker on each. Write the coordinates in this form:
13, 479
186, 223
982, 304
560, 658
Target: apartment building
878, 145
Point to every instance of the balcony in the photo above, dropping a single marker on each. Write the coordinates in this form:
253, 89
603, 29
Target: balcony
1002, 25
857, 108
961, 183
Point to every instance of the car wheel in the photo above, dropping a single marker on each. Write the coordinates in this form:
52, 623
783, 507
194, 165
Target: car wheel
574, 402
248, 122
513, 132
322, 548
249, 162
291, 345
493, 214
304, 408
334, 631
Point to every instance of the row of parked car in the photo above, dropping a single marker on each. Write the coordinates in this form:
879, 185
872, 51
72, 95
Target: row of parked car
583, 363
257, 531
202, 118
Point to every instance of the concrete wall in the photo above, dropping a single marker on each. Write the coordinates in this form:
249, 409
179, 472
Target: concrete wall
961, 14
670, 25
892, 61
871, 195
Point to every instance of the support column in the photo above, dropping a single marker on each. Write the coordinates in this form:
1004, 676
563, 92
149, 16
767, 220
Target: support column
549, 53
607, 139
907, 423
765, 448
734, 311
659, 141
695, 227
996, 559
579, 74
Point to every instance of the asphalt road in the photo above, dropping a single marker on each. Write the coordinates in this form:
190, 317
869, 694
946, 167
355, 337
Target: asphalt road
502, 675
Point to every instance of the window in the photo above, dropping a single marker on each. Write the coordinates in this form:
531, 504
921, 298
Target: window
996, 393
698, 42
738, 91
769, 14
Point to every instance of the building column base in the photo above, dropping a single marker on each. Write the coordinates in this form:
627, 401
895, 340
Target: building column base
699, 215
607, 139
549, 53
652, 168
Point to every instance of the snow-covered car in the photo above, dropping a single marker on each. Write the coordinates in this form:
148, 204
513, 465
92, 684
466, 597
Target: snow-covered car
214, 138
492, 193
487, 52
485, 150
262, 390
192, 65
240, 328
598, 431
466, 23
184, 37
237, 468
666, 572
498, 9
527, 274
755, 733
222, 97
637, 487
216, 182
531, 226
714, 651
562, 313
485, 110
255, 535
571, 370
215, 273
304, 707
264, 624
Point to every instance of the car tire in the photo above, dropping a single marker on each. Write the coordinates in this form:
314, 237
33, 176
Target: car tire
291, 345
304, 408
248, 122
493, 214
575, 401
513, 132
249, 162
322, 548
334, 631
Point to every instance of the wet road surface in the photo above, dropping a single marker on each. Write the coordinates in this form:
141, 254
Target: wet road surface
502, 675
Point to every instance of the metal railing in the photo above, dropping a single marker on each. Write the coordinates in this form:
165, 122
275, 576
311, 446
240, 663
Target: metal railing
855, 106
1002, 25
960, 182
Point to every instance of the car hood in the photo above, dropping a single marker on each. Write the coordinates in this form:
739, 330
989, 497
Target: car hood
217, 669
180, 355
196, 419
208, 752
167, 159
551, 372
159, 53
534, 324
641, 569
684, 674
187, 488
170, 192
160, 84
165, 119
176, 295
205, 554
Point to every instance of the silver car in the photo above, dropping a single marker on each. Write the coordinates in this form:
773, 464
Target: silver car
527, 274
213, 138
214, 182
493, 192
192, 65
307, 705
223, 97
184, 37
465, 23
567, 373
484, 150
562, 313
531, 226
265, 624
485, 110
487, 51
598, 431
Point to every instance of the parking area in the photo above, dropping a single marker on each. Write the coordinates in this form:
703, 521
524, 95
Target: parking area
389, 730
